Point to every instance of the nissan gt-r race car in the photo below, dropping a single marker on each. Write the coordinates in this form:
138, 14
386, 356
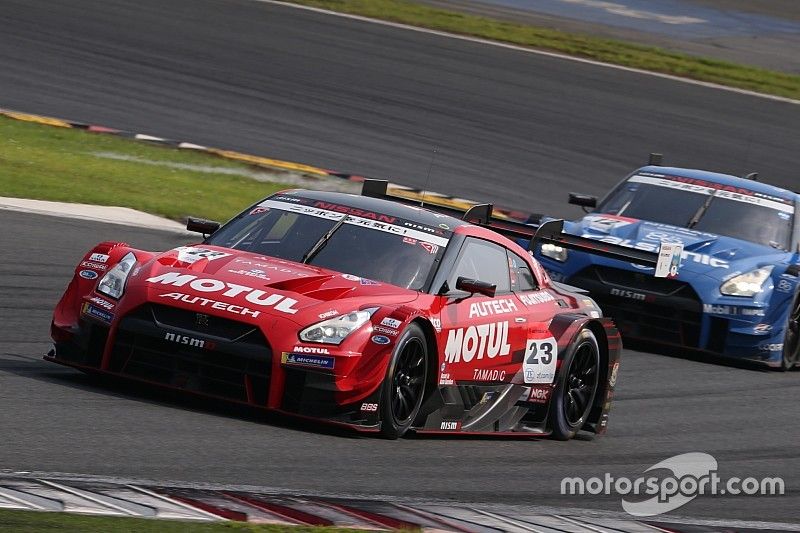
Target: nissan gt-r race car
737, 291
355, 310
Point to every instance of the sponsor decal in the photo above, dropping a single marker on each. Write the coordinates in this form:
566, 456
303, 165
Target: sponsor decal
201, 320
444, 226
96, 266
450, 425
409, 240
328, 314
310, 349
385, 331
105, 304
612, 379
638, 296
269, 267
308, 361
254, 296
540, 394
96, 312
606, 223
190, 254
259, 210
381, 339
669, 260
492, 307
762, 328
391, 322
189, 341
355, 212
214, 304
351, 277
98, 258
88, 274
446, 379
430, 248
365, 281
369, 407
784, 285
437, 324
252, 273
732, 310
539, 365
703, 259
535, 298
477, 342
771, 347
486, 374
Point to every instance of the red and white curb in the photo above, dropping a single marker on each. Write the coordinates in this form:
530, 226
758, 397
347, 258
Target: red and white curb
130, 498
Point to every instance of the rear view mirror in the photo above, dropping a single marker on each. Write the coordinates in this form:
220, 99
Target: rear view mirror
475, 286
583, 200
200, 225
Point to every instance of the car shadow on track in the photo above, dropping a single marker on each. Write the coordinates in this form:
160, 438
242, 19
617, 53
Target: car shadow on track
124, 389
695, 356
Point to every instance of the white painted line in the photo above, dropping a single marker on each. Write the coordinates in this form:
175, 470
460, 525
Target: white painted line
143, 137
204, 514
508, 521
88, 496
544, 53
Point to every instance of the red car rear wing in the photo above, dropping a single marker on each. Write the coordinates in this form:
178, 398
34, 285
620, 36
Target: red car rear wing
551, 232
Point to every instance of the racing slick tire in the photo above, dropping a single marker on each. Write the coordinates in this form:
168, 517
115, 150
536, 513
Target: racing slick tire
576, 387
791, 340
404, 385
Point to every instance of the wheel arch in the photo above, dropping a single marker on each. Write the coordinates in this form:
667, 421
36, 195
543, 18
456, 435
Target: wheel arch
433, 353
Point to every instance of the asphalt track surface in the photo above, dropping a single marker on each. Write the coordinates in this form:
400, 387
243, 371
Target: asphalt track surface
59, 420
513, 127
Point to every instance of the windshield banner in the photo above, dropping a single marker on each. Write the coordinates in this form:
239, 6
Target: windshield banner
736, 194
354, 220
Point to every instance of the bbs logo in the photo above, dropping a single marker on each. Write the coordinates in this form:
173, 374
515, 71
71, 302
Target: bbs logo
369, 407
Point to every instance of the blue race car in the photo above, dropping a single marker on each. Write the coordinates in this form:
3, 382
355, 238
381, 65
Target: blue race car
736, 294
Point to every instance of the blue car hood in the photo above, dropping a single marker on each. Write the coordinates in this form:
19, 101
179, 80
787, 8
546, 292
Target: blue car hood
704, 253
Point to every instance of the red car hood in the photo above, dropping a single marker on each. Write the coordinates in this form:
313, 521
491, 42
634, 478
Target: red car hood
255, 285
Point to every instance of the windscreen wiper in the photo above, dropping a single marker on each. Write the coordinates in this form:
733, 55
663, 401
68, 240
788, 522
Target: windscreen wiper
320, 244
702, 211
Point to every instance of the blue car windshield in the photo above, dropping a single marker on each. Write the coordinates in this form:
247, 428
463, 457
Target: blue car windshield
704, 206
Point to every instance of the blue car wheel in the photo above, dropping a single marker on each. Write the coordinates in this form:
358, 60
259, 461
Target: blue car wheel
791, 343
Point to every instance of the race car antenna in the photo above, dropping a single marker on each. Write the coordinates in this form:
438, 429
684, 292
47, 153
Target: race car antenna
428, 177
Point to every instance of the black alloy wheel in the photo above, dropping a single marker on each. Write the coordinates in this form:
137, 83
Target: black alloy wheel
791, 340
404, 386
576, 387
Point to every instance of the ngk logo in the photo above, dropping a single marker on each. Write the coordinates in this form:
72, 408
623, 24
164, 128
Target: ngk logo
188, 341
477, 342
254, 296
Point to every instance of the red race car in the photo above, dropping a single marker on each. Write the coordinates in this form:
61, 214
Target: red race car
357, 310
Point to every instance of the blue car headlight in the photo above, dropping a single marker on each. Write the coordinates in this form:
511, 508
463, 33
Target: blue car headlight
748, 284
553, 251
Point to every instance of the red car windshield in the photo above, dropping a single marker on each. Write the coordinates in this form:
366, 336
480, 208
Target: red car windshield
365, 246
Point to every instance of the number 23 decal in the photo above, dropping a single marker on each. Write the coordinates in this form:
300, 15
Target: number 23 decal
539, 365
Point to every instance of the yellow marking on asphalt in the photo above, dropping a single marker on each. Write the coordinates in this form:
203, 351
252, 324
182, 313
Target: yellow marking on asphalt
265, 161
36, 118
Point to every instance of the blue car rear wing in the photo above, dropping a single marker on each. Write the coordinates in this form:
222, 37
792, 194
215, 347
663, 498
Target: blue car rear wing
550, 232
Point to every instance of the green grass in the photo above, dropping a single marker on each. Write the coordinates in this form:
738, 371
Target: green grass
30, 522
51, 163
606, 50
